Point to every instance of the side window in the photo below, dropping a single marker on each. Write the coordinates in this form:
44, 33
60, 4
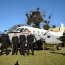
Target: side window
18, 30
38, 32
48, 36
21, 30
26, 30
42, 33
33, 31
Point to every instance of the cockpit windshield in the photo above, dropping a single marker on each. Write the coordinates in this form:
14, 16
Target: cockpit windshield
20, 30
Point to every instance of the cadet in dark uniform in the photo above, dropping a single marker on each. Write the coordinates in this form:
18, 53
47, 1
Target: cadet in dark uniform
30, 39
15, 44
22, 39
5, 40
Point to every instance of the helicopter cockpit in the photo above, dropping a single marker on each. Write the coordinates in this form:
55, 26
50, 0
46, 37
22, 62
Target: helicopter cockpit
25, 30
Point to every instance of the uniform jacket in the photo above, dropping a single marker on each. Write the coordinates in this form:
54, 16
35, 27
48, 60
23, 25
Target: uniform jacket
22, 38
5, 38
15, 39
30, 38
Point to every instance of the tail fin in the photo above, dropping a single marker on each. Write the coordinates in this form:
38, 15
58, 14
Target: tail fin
61, 28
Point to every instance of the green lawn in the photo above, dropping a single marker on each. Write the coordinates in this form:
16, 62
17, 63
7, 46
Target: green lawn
41, 57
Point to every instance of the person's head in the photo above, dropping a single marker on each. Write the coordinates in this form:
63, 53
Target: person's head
21, 33
5, 32
29, 33
15, 34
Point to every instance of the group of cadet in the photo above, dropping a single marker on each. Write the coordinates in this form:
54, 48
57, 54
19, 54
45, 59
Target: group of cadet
21, 40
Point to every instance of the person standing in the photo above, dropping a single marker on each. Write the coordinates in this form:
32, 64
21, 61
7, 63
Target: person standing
15, 44
5, 40
22, 39
30, 39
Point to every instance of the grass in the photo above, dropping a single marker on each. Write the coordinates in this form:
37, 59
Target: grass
41, 57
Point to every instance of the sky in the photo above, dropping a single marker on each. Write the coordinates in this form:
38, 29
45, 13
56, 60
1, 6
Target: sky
13, 12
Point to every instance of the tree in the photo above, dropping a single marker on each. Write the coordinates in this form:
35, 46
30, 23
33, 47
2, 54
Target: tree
46, 26
53, 26
35, 18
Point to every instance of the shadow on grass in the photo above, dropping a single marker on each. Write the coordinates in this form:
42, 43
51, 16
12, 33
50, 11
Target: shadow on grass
58, 53
5, 53
16, 63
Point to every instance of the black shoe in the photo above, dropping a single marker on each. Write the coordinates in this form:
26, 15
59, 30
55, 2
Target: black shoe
12, 53
16, 53
23, 54
1, 53
32, 54
27, 54
6, 53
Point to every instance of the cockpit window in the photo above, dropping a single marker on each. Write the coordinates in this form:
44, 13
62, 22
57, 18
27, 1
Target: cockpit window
23, 30
19, 29
42, 33
48, 36
33, 31
26, 30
